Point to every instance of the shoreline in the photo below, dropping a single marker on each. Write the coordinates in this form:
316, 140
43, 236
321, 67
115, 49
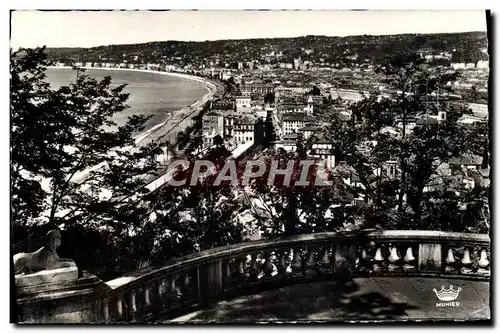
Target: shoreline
211, 88
209, 85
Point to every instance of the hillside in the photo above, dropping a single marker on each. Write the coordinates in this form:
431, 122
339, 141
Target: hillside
464, 47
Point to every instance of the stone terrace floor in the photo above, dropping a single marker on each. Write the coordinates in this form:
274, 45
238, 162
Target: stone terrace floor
362, 299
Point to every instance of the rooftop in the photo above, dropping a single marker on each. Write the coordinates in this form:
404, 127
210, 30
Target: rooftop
310, 128
291, 106
427, 121
466, 159
223, 105
298, 117
211, 113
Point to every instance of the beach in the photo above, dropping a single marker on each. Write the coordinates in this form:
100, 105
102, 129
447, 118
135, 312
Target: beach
176, 120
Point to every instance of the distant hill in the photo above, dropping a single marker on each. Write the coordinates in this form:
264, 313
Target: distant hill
56, 51
364, 48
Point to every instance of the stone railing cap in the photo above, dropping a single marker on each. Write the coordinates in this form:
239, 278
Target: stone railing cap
421, 236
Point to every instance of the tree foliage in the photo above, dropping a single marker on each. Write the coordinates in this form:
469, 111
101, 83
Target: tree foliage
380, 132
71, 164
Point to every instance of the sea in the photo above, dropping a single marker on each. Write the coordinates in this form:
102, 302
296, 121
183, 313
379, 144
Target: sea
154, 94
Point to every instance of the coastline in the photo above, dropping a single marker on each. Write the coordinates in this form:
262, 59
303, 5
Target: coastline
209, 85
211, 89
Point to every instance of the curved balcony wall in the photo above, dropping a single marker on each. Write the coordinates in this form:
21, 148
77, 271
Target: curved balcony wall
190, 282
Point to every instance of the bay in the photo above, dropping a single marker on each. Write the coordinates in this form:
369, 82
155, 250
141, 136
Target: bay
155, 94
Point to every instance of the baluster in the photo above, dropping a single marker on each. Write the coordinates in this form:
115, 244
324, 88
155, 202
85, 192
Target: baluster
310, 263
484, 264
119, 307
466, 262
296, 263
133, 306
147, 300
394, 260
362, 262
168, 291
325, 264
254, 271
241, 266
171, 286
160, 289
175, 291
241, 269
282, 263
450, 262
409, 260
378, 259
105, 310
210, 281
228, 271
268, 266
345, 258
185, 287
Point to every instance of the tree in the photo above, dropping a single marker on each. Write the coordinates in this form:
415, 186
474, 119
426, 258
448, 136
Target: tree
399, 200
474, 94
72, 166
315, 91
287, 207
429, 148
269, 98
365, 161
196, 216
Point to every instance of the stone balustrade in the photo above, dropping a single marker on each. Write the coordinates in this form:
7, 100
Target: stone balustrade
186, 283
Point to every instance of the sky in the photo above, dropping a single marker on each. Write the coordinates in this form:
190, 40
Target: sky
86, 29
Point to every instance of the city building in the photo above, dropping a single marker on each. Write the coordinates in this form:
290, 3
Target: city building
223, 106
244, 130
297, 107
212, 126
287, 143
309, 131
296, 63
243, 102
256, 87
390, 169
465, 162
485, 64
469, 119
427, 121
283, 93
293, 122
324, 151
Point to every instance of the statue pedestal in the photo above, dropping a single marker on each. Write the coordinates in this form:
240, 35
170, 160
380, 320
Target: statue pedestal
59, 296
47, 276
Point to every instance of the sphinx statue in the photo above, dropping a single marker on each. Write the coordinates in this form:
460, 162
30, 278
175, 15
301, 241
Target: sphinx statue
45, 258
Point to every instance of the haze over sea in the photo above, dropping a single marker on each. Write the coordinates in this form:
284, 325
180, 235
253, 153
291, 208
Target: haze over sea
150, 93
